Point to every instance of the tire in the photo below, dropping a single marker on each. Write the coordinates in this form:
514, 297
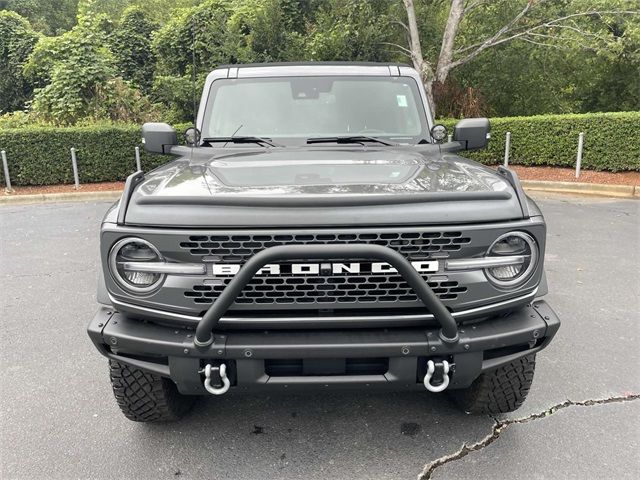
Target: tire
500, 391
146, 397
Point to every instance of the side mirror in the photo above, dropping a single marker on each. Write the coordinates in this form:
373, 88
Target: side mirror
158, 137
473, 133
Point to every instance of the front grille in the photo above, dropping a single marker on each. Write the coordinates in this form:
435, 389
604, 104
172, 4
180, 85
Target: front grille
323, 291
239, 248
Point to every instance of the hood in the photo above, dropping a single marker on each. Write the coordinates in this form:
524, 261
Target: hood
322, 171
298, 182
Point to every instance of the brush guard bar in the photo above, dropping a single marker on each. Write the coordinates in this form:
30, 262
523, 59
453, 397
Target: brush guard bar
204, 332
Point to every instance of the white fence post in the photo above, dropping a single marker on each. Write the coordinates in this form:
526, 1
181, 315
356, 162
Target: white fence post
449, 138
5, 166
507, 147
76, 179
138, 164
579, 157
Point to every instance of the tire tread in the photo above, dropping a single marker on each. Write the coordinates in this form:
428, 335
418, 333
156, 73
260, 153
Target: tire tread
499, 391
146, 397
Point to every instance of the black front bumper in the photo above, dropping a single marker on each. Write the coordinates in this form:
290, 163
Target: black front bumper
170, 352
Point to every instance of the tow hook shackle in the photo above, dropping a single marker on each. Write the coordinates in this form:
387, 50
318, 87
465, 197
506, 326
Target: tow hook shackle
222, 370
431, 368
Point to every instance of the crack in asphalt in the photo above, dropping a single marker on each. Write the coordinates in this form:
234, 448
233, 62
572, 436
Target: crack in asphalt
501, 425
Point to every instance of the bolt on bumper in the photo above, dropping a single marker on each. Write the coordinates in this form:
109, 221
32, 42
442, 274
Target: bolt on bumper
171, 353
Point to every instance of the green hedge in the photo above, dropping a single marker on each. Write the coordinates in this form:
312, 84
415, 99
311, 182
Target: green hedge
611, 140
40, 155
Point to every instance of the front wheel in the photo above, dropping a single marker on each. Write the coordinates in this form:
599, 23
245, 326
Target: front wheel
499, 391
145, 397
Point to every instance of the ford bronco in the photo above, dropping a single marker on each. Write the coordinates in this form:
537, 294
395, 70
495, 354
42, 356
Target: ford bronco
318, 230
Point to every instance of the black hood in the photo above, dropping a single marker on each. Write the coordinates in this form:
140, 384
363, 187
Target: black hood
288, 185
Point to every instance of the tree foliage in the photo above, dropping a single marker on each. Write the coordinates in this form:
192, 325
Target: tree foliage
17, 40
51, 17
478, 57
80, 79
74, 65
351, 30
130, 43
475, 28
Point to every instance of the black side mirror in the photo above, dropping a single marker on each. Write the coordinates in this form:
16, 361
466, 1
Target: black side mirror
158, 137
473, 133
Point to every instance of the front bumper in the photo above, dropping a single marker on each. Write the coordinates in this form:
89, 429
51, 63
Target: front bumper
170, 352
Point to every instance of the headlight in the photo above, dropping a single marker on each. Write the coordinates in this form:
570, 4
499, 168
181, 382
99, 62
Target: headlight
512, 244
126, 263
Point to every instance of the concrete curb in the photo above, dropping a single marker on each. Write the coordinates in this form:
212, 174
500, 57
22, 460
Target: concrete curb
59, 197
628, 191
625, 191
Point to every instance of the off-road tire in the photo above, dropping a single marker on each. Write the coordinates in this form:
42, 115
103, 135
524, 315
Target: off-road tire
499, 391
145, 397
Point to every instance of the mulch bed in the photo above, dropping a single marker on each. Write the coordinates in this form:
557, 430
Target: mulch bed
555, 174
552, 174
87, 187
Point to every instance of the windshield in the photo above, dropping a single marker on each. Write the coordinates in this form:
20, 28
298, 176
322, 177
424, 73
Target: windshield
295, 109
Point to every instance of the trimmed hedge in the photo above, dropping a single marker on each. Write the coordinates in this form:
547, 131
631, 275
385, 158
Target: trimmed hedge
611, 140
40, 155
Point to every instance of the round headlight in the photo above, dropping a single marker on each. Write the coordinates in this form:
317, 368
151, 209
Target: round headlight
127, 253
520, 246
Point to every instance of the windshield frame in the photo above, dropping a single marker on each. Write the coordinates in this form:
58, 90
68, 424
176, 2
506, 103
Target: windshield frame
218, 77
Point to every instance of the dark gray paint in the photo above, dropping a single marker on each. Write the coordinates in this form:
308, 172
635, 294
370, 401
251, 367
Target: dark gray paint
158, 137
472, 133
300, 186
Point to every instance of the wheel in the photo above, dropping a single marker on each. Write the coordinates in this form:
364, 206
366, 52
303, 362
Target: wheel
499, 391
145, 397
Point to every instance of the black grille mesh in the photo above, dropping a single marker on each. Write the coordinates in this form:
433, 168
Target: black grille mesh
286, 290
239, 248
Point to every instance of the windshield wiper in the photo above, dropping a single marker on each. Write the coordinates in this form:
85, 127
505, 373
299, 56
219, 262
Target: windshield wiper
258, 140
351, 139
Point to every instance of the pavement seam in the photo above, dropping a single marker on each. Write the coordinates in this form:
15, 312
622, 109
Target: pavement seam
500, 426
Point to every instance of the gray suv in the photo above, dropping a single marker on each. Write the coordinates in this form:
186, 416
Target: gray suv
319, 231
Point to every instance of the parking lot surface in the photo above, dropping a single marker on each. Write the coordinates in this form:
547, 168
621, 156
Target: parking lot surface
59, 419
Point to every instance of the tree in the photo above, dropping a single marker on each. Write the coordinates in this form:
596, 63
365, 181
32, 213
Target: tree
17, 40
195, 34
350, 30
51, 17
538, 22
78, 74
266, 31
73, 66
130, 44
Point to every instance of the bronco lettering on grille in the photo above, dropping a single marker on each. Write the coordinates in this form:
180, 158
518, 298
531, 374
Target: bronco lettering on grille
429, 266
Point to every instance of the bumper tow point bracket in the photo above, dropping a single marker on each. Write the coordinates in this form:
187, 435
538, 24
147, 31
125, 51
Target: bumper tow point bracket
222, 370
431, 368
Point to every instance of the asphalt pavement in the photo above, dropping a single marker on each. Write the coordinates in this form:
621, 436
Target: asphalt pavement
59, 419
